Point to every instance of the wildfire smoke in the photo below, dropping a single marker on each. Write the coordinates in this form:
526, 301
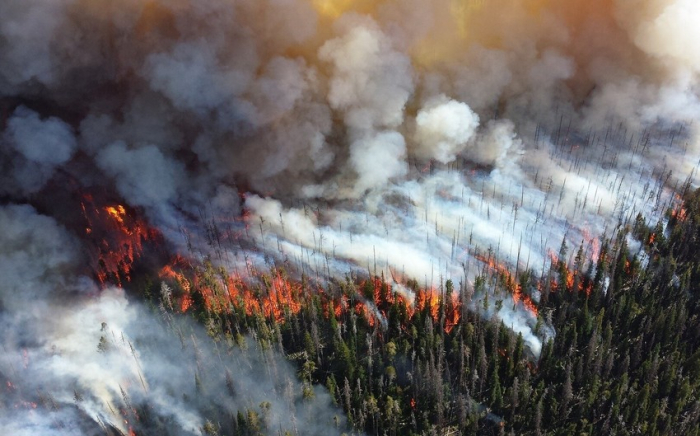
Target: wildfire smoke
327, 138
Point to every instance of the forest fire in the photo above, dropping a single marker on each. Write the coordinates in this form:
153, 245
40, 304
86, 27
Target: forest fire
552, 257
116, 237
679, 213
278, 297
511, 284
275, 296
171, 272
453, 313
593, 244
428, 299
117, 212
678, 210
518, 297
571, 277
254, 159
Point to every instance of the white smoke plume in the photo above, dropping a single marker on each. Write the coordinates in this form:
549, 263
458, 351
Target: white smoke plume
443, 129
397, 136
77, 360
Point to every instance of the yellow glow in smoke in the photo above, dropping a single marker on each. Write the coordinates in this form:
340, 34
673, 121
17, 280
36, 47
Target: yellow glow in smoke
459, 23
455, 33
482, 22
335, 8
332, 8
462, 11
535, 6
430, 52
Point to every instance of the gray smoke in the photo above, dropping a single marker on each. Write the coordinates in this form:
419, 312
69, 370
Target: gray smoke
77, 359
410, 136
34, 149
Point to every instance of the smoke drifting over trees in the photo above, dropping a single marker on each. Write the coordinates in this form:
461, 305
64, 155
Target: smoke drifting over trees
409, 138
79, 360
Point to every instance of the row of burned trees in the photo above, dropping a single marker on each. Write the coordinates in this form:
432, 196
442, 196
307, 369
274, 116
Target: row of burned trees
625, 358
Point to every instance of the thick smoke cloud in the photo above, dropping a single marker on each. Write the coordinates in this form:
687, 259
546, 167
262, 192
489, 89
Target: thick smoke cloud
35, 148
404, 137
77, 360
371, 82
143, 176
443, 129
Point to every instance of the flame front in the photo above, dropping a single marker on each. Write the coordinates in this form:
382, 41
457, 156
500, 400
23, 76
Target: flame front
276, 296
511, 284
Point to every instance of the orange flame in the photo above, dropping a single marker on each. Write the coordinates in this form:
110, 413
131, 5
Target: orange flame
569, 280
511, 285
362, 309
593, 242
118, 238
519, 297
117, 212
169, 272
186, 303
454, 313
429, 299
277, 297
679, 213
